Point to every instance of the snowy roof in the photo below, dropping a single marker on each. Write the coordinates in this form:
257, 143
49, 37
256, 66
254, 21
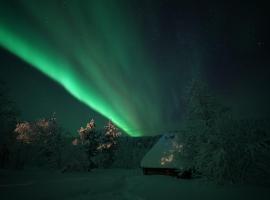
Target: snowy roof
164, 154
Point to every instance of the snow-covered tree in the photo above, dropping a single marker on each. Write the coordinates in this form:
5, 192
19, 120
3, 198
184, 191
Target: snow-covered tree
24, 132
43, 138
8, 115
108, 145
87, 134
200, 130
202, 111
89, 139
50, 141
8, 119
220, 146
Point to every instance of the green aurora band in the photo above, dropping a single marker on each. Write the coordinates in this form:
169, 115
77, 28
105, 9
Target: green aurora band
94, 49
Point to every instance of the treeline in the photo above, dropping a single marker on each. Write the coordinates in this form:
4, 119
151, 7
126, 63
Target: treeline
43, 144
220, 145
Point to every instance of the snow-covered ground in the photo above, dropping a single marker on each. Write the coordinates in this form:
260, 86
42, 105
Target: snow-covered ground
116, 184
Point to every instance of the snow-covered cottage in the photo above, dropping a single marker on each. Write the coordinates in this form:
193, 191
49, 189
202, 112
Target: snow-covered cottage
164, 157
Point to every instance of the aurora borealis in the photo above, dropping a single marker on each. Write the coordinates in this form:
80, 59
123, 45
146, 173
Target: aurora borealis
129, 60
96, 56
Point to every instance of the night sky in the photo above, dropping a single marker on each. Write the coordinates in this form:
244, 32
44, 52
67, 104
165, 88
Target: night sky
130, 61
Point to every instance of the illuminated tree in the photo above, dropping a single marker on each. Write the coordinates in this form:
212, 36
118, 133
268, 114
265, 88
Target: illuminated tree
109, 144
24, 132
88, 137
44, 139
87, 134
49, 138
